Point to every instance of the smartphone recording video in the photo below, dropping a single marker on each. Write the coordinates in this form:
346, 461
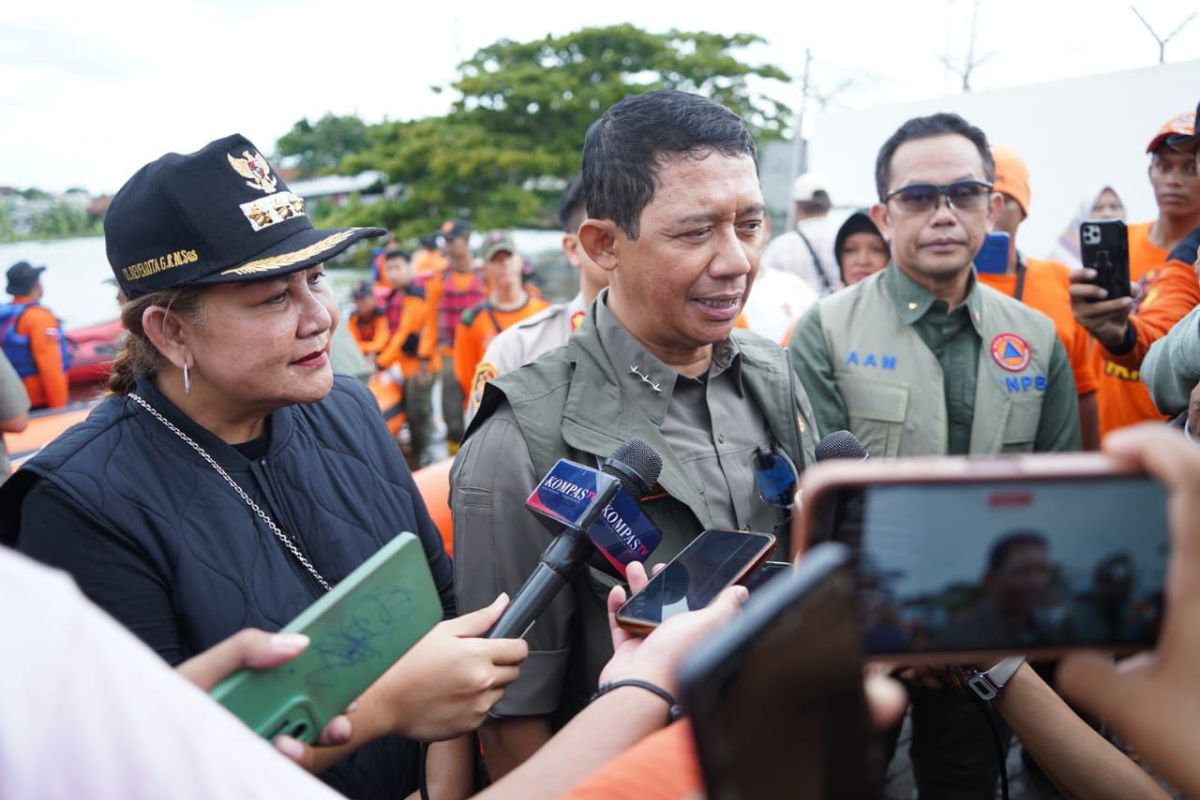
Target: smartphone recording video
1037, 566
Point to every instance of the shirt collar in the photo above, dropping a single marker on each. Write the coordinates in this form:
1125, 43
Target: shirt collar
642, 375
913, 301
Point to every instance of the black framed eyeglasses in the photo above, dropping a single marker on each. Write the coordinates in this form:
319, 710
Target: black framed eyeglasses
775, 476
921, 198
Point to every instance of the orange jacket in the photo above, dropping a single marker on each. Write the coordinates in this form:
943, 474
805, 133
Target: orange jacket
403, 347
1168, 298
371, 335
47, 389
1046, 289
1122, 399
476, 328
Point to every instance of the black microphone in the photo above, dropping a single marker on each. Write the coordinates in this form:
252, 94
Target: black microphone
635, 466
841, 444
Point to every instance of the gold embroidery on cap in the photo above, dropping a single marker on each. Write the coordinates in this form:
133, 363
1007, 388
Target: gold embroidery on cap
294, 257
255, 169
153, 266
267, 211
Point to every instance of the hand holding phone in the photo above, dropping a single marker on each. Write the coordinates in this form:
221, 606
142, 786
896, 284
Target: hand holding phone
1104, 247
967, 561
712, 561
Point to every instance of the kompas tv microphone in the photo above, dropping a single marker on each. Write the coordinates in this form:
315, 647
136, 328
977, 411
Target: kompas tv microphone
586, 508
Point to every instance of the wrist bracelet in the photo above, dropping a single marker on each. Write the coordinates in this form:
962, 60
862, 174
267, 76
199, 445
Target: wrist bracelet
674, 710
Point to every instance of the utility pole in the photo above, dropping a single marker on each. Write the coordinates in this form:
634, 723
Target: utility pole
971, 62
1162, 43
800, 153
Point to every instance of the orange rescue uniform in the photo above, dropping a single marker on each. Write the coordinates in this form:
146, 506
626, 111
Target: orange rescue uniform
434, 287
403, 349
48, 388
1046, 289
476, 329
370, 334
1169, 297
1121, 397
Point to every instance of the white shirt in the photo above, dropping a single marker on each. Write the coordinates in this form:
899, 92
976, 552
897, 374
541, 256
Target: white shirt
788, 253
90, 712
777, 299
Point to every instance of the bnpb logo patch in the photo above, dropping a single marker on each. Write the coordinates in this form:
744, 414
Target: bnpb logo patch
1011, 352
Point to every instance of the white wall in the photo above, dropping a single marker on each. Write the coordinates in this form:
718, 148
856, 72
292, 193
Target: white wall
1075, 135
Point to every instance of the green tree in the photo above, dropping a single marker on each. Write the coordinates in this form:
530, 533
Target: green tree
521, 116
318, 148
61, 221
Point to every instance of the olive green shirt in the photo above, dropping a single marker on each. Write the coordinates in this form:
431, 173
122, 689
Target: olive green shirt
712, 426
954, 339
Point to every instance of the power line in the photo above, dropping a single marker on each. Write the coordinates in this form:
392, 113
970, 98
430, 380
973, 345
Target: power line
1162, 43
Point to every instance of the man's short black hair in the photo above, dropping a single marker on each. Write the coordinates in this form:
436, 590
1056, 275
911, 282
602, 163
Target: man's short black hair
571, 209
625, 147
925, 128
397, 253
1003, 547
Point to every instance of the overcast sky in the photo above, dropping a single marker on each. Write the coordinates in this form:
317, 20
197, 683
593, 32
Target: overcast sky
91, 91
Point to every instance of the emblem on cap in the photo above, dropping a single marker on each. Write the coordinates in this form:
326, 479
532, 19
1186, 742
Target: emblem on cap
1011, 352
255, 169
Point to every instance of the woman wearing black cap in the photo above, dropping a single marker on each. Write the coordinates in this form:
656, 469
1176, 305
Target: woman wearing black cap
231, 479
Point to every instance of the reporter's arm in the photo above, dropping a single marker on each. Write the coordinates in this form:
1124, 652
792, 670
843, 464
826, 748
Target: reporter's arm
1152, 701
1079, 761
625, 715
497, 544
440, 689
449, 768
607, 727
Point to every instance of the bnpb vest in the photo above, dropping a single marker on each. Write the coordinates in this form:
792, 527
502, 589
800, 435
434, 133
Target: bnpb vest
893, 387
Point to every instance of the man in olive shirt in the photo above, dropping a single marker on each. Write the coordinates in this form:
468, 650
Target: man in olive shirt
869, 382
676, 215
922, 359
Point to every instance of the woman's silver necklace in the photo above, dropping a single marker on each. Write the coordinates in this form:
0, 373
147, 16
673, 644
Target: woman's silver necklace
287, 542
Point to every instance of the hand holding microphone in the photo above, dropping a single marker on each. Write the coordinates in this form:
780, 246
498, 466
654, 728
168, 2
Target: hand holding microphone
586, 508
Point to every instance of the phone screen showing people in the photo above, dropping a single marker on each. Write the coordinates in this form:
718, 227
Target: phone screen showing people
1015, 566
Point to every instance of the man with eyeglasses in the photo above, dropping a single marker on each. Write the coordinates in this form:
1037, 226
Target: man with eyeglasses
1161, 255
922, 359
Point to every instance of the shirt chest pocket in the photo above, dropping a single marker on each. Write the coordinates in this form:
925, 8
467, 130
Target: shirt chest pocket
876, 410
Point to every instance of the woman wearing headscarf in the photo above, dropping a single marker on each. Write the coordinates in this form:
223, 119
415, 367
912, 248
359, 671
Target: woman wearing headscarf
1104, 203
860, 248
230, 480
